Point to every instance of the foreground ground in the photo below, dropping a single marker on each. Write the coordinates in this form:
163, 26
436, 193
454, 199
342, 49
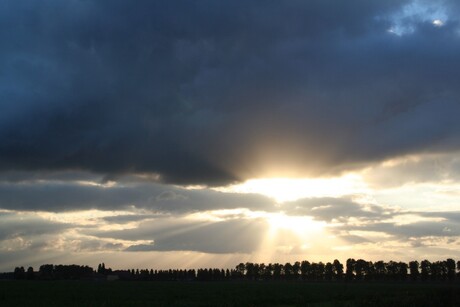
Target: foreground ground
88, 293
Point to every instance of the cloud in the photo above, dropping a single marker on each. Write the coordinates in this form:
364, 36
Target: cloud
75, 195
362, 222
451, 216
413, 230
347, 222
434, 168
339, 209
16, 225
213, 93
123, 219
354, 239
350, 222
89, 245
230, 236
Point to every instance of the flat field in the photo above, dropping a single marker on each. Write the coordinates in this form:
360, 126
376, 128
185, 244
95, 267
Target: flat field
229, 293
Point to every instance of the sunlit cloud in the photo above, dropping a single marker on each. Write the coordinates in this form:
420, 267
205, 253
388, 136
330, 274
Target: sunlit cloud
287, 189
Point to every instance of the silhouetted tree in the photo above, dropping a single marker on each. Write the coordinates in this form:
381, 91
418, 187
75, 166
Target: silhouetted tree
318, 270
46, 271
277, 269
328, 271
338, 269
435, 270
256, 271
19, 273
402, 270
296, 270
250, 270
240, 270
441, 270
371, 271
304, 269
450, 266
288, 271
350, 268
391, 270
30, 275
413, 268
361, 268
425, 267
380, 270
355, 270
268, 271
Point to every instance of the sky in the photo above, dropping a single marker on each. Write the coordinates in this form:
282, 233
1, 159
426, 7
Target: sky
186, 134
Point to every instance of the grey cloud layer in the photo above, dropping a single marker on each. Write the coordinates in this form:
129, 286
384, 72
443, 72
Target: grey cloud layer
232, 236
352, 222
349, 221
14, 225
59, 196
214, 92
338, 209
423, 169
351, 217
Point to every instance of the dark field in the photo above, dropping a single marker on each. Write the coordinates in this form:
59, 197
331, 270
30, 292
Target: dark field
91, 293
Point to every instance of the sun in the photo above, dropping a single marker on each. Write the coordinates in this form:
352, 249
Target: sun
290, 189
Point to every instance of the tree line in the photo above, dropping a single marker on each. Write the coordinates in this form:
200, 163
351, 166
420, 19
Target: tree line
353, 270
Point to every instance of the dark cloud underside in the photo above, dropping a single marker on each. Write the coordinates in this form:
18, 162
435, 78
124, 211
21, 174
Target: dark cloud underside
214, 92
68, 196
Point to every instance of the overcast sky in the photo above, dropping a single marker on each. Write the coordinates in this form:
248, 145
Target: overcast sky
228, 131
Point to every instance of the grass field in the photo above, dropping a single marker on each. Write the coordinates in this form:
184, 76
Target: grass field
88, 293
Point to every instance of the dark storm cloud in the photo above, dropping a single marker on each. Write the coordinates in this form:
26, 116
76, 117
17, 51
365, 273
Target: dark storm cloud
59, 196
213, 92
